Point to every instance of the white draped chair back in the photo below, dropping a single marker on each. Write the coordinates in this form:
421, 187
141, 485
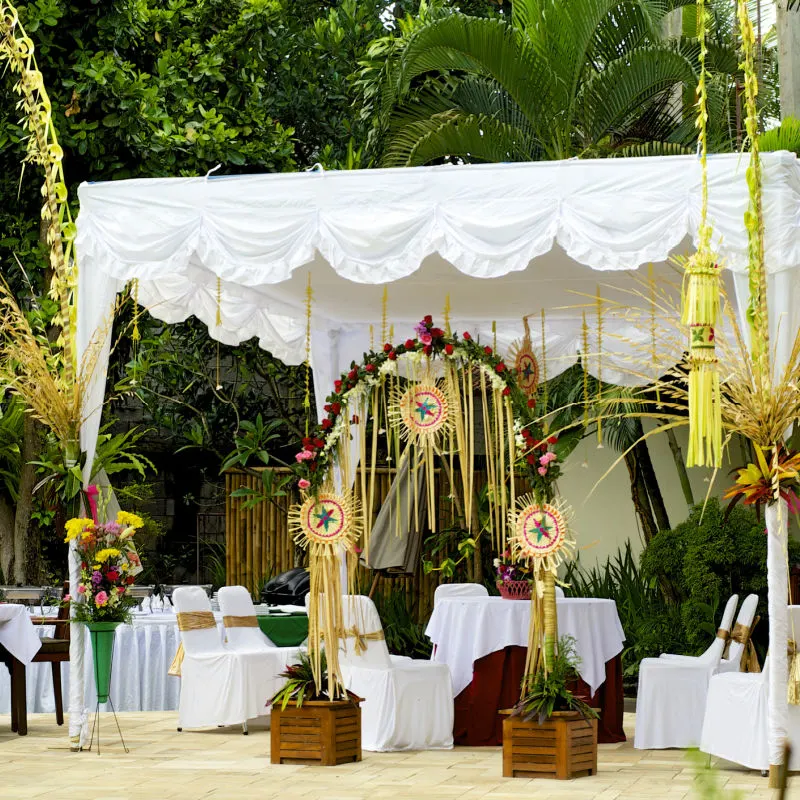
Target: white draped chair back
459, 590
205, 640
745, 617
359, 616
559, 593
235, 601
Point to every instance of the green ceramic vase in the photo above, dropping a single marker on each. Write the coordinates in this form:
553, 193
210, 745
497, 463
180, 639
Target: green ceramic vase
102, 634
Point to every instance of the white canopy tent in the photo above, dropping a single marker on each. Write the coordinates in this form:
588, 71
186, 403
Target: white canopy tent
502, 241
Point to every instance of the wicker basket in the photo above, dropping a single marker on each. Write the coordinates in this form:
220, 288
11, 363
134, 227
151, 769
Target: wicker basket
515, 590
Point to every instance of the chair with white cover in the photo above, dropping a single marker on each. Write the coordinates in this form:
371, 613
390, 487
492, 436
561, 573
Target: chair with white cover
723, 632
459, 590
264, 661
560, 593
736, 718
214, 684
671, 701
408, 703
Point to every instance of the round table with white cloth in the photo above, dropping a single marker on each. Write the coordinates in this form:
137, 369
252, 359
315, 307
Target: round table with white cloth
465, 629
143, 652
19, 637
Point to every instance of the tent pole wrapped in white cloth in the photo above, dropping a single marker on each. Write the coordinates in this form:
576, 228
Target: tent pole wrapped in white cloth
500, 240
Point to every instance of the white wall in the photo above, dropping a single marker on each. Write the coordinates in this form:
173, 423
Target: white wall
605, 520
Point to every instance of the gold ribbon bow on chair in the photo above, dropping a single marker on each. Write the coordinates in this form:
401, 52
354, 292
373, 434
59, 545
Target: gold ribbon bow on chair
361, 638
190, 621
742, 634
240, 622
725, 635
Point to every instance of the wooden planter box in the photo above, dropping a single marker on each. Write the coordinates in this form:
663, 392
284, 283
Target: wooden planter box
319, 732
563, 747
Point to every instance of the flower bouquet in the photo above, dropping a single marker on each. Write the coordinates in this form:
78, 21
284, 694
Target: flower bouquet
513, 577
109, 566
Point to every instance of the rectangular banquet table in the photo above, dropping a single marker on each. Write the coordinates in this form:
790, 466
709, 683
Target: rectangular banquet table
484, 642
143, 652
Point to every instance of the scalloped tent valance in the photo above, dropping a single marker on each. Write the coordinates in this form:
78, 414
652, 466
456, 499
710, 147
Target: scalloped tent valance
501, 240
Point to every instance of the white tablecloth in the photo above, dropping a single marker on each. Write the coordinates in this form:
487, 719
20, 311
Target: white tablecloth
464, 629
143, 652
18, 634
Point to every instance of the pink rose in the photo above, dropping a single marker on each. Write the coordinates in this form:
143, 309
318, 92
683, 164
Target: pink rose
101, 598
66, 598
81, 589
542, 471
304, 455
303, 483
425, 338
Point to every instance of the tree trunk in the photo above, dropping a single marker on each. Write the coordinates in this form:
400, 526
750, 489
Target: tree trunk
680, 466
6, 540
31, 450
639, 496
788, 27
650, 479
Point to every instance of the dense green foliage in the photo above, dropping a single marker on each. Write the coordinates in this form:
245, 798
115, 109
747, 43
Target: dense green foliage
708, 557
652, 626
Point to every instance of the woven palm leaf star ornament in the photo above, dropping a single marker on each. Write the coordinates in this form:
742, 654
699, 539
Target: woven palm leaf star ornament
326, 525
541, 538
525, 363
701, 297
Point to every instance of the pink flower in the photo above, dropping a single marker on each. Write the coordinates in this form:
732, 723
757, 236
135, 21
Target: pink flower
542, 471
545, 459
304, 455
101, 598
303, 483
67, 598
425, 338
81, 589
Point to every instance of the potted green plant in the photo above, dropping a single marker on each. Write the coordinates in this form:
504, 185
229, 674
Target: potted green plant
307, 726
551, 732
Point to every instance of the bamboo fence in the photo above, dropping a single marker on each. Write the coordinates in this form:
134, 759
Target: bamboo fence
259, 546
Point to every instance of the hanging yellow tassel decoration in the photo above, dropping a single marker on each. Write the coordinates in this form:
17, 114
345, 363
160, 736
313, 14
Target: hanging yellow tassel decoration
136, 336
599, 303
307, 393
544, 374
701, 302
585, 365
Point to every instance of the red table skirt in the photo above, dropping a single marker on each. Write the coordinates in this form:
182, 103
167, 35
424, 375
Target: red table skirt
496, 680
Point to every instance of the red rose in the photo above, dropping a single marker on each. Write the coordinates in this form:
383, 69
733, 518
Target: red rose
448, 348
307, 441
428, 319
129, 580
500, 367
428, 349
531, 459
487, 350
552, 439
337, 385
387, 348
326, 423
466, 336
531, 402
355, 419
409, 344
353, 374
327, 407
535, 443
437, 333
319, 443
506, 391
370, 368
392, 355
336, 408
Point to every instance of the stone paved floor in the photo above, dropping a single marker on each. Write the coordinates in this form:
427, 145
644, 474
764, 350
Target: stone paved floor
166, 765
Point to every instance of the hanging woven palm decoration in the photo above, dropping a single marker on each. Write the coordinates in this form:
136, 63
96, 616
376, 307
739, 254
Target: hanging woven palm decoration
525, 362
325, 525
421, 414
542, 538
701, 303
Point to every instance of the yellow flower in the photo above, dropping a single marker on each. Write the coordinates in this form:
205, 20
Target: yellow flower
75, 527
95, 567
124, 566
104, 555
132, 520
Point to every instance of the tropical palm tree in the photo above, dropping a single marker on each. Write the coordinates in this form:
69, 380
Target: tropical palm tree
554, 79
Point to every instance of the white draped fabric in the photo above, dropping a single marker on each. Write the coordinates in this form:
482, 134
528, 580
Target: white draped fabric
464, 629
500, 240
17, 633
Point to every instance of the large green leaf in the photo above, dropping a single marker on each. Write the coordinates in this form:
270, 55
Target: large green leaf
785, 137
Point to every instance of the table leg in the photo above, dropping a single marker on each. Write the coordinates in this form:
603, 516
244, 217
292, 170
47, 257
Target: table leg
18, 696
